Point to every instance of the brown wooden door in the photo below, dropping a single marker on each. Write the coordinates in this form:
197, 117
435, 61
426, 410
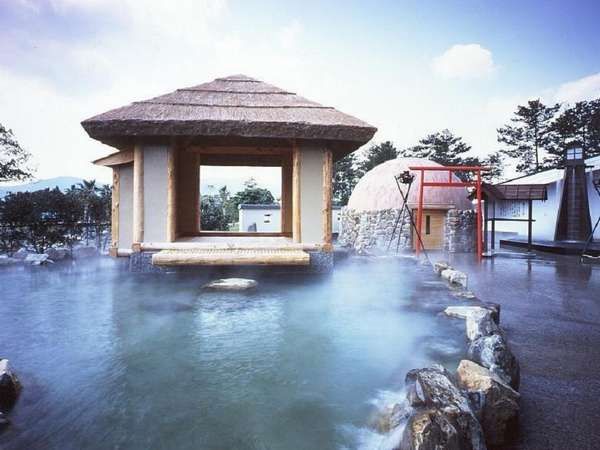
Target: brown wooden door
432, 231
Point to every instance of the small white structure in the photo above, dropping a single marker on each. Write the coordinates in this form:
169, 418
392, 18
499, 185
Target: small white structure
267, 218
545, 212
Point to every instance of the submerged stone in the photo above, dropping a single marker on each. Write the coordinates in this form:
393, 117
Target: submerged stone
440, 266
10, 387
495, 402
455, 277
231, 284
37, 259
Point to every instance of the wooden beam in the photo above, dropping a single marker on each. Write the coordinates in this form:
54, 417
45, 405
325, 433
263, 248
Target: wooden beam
296, 194
115, 159
138, 194
286, 194
237, 150
171, 193
248, 234
116, 198
327, 194
223, 159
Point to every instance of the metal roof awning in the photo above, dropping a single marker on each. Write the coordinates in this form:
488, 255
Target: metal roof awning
515, 191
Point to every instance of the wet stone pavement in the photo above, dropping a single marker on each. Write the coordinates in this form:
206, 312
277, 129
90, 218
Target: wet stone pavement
551, 312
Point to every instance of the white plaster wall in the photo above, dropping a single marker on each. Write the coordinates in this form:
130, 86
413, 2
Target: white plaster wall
544, 213
311, 191
336, 220
126, 206
155, 193
267, 220
250, 216
594, 199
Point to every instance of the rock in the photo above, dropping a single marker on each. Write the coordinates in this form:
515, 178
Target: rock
85, 252
437, 429
433, 386
58, 254
21, 254
4, 422
496, 403
37, 259
442, 418
480, 323
9, 385
232, 284
463, 294
390, 417
455, 277
462, 312
8, 261
493, 353
440, 266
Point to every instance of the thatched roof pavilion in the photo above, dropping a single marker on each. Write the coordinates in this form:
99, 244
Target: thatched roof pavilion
234, 106
230, 121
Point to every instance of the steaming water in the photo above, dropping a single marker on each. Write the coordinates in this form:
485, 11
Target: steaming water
111, 360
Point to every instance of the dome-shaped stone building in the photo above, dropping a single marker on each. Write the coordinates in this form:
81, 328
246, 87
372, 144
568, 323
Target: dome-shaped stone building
367, 222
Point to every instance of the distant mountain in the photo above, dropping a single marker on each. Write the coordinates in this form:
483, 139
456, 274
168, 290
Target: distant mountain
63, 183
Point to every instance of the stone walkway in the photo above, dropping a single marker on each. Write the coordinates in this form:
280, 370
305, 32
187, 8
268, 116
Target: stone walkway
551, 312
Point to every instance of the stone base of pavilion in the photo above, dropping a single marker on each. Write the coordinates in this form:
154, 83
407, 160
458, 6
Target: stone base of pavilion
197, 252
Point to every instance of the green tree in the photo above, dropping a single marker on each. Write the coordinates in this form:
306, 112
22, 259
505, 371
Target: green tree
447, 149
442, 147
375, 155
345, 177
578, 124
252, 194
528, 135
212, 216
45, 218
14, 159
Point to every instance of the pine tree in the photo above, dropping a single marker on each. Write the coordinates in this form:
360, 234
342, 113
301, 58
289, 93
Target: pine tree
345, 177
579, 124
530, 134
13, 158
377, 154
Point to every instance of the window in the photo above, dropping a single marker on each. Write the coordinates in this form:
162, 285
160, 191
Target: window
427, 224
575, 153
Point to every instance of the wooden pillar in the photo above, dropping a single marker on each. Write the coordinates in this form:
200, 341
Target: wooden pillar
327, 194
493, 237
485, 223
479, 218
197, 194
286, 193
529, 223
296, 195
114, 219
138, 194
420, 213
171, 193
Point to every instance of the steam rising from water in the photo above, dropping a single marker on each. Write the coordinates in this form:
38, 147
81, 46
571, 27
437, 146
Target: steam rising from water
115, 360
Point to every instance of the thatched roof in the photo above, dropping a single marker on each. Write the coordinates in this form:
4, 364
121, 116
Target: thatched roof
234, 106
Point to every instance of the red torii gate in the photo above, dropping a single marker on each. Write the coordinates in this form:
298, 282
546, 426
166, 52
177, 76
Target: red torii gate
451, 183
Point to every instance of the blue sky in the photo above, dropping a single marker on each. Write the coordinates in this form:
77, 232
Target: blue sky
407, 67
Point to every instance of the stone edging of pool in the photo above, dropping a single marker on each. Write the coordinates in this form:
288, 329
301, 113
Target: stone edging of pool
477, 407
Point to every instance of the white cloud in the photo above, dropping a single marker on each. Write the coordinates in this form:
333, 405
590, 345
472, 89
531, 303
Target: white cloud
464, 61
583, 89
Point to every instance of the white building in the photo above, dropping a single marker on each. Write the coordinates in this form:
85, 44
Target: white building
545, 212
267, 218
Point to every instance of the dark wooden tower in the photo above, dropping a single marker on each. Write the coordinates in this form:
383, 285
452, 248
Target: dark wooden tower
573, 222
